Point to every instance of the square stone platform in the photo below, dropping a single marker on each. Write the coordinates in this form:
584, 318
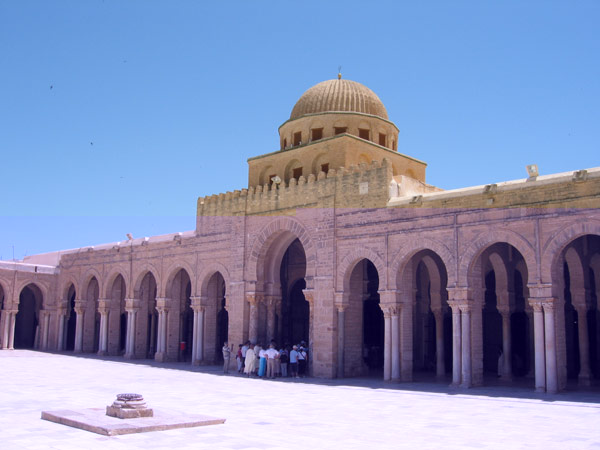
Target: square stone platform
96, 421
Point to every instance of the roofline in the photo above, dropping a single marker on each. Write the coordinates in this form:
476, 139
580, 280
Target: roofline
353, 113
394, 152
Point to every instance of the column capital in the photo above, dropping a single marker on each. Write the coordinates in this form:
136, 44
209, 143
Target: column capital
103, 305
254, 298
549, 305
341, 307
132, 304
199, 301
163, 304
309, 295
272, 301
459, 294
455, 305
536, 304
390, 309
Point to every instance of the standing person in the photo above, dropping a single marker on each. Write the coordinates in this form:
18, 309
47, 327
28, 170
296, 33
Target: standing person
245, 348
302, 362
238, 358
294, 362
250, 361
271, 356
262, 367
226, 357
283, 360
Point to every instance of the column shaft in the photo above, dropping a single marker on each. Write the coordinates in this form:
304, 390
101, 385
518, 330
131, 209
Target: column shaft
341, 342
584, 349
550, 334
506, 346
395, 319
440, 366
387, 347
456, 346
466, 346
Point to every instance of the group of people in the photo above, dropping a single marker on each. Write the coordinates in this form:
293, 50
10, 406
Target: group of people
255, 360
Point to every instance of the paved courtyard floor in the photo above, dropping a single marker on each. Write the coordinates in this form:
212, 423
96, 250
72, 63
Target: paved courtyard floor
293, 414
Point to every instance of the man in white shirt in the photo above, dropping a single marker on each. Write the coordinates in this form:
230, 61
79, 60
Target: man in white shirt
271, 355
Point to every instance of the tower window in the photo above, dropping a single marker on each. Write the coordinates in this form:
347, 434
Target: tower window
285, 143
317, 133
297, 172
382, 139
340, 130
297, 138
363, 133
325, 167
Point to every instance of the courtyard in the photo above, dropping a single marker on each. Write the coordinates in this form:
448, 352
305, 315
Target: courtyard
292, 414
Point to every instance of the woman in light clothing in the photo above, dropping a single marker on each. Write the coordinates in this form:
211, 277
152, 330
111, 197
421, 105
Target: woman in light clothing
250, 363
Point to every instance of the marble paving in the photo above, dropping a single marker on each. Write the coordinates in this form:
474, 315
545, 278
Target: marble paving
293, 414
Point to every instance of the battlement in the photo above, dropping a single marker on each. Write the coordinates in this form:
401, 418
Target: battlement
360, 186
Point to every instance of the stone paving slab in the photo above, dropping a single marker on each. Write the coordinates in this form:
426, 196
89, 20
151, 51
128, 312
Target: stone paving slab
291, 414
95, 420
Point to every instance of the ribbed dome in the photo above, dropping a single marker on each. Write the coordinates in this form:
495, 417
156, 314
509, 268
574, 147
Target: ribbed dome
339, 95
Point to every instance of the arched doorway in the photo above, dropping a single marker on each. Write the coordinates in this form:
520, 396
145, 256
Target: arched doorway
183, 319
499, 278
363, 322
71, 321
91, 317
27, 329
147, 318
216, 319
117, 317
422, 283
293, 318
281, 314
579, 279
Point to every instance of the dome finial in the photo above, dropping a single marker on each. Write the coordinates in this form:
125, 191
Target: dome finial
339, 72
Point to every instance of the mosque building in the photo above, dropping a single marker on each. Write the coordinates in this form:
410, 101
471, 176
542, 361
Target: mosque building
339, 241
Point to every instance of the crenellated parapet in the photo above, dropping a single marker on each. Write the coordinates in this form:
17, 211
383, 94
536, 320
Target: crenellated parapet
363, 185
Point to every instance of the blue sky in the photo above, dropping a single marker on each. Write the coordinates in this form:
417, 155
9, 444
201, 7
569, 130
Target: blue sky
115, 115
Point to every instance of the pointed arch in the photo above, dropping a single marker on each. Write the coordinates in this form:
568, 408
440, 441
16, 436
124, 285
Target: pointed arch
411, 248
488, 238
172, 272
552, 250
268, 234
351, 259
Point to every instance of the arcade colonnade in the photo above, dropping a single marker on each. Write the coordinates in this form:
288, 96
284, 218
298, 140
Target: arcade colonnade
503, 304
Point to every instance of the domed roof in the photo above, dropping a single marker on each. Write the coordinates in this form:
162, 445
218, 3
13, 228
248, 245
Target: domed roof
339, 95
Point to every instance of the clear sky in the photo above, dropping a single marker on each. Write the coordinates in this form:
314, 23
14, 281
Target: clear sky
115, 115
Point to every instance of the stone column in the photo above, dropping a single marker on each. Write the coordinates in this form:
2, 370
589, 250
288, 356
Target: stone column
162, 306
406, 339
5, 315
456, 343
550, 335
103, 309
199, 308
253, 300
465, 310
579, 302
395, 319
309, 295
440, 366
12, 319
45, 328
387, 342
272, 306
132, 306
539, 345
530, 343
60, 343
506, 345
341, 328
79, 311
